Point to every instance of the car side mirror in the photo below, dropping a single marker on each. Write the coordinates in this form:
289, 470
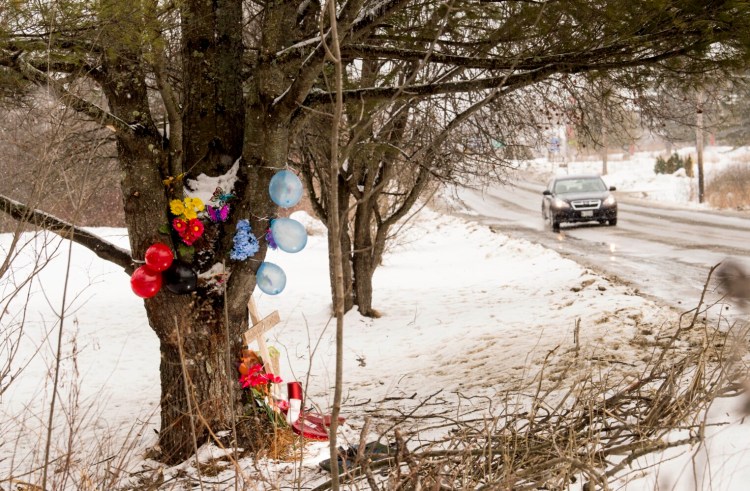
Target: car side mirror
612, 188
547, 192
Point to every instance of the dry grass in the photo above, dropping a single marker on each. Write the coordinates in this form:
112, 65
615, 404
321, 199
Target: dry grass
591, 424
730, 189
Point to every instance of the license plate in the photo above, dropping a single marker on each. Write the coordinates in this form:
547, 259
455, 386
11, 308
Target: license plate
587, 213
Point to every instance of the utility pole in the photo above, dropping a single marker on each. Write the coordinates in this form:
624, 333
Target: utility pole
604, 137
699, 143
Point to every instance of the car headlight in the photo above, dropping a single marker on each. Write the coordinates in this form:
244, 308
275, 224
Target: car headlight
558, 203
610, 200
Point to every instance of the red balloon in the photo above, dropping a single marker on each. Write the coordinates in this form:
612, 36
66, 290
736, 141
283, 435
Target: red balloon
145, 282
159, 257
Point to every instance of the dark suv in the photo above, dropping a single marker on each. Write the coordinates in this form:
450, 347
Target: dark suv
582, 198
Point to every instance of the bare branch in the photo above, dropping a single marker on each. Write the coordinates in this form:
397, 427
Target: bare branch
97, 245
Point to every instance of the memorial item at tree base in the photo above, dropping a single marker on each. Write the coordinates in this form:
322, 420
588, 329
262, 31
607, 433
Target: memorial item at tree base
347, 457
294, 397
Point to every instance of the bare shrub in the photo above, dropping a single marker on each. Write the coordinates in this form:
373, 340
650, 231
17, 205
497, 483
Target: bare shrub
52, 160
730, 188
591, 425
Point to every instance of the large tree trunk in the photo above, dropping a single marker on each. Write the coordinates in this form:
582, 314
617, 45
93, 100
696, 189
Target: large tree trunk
376, 211
371, 236
193, 347
213, 113
199, 318
192, 329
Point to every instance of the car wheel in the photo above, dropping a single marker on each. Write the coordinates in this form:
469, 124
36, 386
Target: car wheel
553, 222
613, 222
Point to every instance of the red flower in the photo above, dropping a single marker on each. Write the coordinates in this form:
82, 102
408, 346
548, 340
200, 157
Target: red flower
179, 225
254, 377
190, 231
196, 227
273, 379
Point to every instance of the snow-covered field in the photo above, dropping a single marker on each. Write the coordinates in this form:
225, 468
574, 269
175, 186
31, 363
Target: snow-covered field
463, 310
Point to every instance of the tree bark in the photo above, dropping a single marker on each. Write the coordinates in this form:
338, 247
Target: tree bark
214, 392
213, 113
362, 256
199, 317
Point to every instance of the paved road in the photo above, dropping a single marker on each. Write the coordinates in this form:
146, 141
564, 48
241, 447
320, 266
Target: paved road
665, 252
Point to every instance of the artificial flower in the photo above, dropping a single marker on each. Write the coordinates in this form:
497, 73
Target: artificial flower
195, 204
190, 213
245, 243
176, 207
179, 225
269, 239
196, 227
255, 378
259, 391
192, 232
273, 379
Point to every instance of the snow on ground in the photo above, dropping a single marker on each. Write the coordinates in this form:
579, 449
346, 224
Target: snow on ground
463, 310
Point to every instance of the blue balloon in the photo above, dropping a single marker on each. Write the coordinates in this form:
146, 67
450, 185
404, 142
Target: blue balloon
289, 234
270, 278
285, 189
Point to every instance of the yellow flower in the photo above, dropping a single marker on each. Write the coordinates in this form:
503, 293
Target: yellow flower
195, 203
176, 207
190, 213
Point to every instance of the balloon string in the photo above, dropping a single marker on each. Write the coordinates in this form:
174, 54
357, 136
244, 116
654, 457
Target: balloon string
285, 167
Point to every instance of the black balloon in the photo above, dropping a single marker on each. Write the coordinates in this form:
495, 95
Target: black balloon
180, 278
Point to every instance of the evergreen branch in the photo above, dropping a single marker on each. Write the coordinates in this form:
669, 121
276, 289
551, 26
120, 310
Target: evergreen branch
100, 247
503, 80
531, 62
373, 17
77, 103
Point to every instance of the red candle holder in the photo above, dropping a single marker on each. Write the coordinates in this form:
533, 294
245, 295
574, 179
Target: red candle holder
294, 390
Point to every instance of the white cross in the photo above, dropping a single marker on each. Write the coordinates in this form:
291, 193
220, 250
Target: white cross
257, 332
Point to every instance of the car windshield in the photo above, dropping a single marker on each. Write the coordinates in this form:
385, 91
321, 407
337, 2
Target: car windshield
585, 185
